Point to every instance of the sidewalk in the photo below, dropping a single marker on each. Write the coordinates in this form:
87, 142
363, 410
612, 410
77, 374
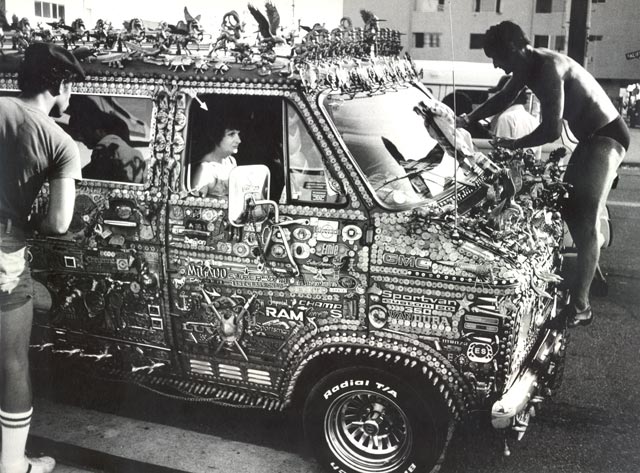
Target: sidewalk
109, 443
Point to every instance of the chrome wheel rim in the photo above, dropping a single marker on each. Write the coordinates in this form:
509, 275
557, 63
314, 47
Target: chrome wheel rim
368, 432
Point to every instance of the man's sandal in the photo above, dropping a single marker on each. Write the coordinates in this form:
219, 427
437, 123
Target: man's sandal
576, 318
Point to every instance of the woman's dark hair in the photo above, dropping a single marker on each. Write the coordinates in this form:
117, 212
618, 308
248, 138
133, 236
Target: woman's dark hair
219, 125
499, 38
463, 103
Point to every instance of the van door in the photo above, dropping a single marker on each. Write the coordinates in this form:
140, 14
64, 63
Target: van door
240, 293
98, 287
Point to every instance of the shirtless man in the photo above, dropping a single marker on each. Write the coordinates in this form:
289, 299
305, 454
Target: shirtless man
565, 91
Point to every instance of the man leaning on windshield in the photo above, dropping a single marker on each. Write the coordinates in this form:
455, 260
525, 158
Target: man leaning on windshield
566, 91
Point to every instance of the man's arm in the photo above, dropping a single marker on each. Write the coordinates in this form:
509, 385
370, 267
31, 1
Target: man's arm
499, 102
551, 97
62, 193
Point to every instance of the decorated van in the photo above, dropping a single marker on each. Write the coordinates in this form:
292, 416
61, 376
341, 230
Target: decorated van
364, 263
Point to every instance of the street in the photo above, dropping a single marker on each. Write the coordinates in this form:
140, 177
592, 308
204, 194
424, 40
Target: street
589, 426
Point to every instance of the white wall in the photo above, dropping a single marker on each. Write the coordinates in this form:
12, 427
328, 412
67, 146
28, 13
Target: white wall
211, 11
617, 22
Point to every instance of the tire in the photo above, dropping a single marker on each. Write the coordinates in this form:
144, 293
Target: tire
366, 420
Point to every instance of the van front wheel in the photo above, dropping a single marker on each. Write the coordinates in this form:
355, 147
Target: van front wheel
366, 420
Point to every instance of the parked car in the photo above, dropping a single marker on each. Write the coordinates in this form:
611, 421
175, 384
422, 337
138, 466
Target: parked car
366, 265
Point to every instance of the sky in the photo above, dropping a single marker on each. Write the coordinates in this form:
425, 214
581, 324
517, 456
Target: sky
326, 12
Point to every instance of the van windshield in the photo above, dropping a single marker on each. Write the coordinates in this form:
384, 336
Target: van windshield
403, 164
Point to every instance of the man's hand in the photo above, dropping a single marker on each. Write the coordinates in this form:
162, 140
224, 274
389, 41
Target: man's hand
462, 121
507, 143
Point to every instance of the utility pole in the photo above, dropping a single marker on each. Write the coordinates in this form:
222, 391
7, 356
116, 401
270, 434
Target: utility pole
578, 30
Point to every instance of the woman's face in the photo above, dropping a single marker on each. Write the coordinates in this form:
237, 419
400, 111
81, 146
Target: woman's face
230, 142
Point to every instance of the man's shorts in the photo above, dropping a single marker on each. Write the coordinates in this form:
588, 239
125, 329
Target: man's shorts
16, 287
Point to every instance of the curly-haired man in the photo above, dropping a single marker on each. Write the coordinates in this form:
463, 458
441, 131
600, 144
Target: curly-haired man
33, 148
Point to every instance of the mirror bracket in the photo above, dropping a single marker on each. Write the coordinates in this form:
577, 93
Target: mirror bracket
249, 189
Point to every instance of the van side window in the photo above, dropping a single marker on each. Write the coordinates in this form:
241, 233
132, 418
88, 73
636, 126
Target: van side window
309, 179
234, 130
113, 136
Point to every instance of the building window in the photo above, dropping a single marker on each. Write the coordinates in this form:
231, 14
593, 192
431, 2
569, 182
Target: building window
598, 1
541, 41
476, 41
433, 40
429, 6
429, 40
49, 10
595, 37
550, 6
487, 5
547, 41
544, 6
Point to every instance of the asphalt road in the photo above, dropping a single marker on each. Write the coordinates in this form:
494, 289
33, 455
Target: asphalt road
589, 426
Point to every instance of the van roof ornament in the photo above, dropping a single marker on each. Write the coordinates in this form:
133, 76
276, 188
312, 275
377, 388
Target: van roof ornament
345, 57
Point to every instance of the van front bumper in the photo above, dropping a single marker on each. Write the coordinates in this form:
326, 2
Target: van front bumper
519, 395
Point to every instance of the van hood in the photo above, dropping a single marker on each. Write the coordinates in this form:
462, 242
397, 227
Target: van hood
454, 275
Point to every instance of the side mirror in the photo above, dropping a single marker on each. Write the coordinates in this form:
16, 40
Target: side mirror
248, 194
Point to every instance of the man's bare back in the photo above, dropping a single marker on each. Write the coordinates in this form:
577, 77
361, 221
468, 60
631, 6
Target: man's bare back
586, 106
566, 91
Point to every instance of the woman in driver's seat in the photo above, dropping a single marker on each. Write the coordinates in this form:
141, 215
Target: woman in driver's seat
211, 173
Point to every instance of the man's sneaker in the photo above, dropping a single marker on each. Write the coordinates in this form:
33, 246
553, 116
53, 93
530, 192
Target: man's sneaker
31, 465
40, 465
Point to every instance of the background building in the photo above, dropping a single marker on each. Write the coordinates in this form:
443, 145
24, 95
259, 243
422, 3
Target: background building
614, 32
428, 27
43, 12
611, 27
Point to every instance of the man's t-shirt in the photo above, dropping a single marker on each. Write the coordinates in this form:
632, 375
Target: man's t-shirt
33, 148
